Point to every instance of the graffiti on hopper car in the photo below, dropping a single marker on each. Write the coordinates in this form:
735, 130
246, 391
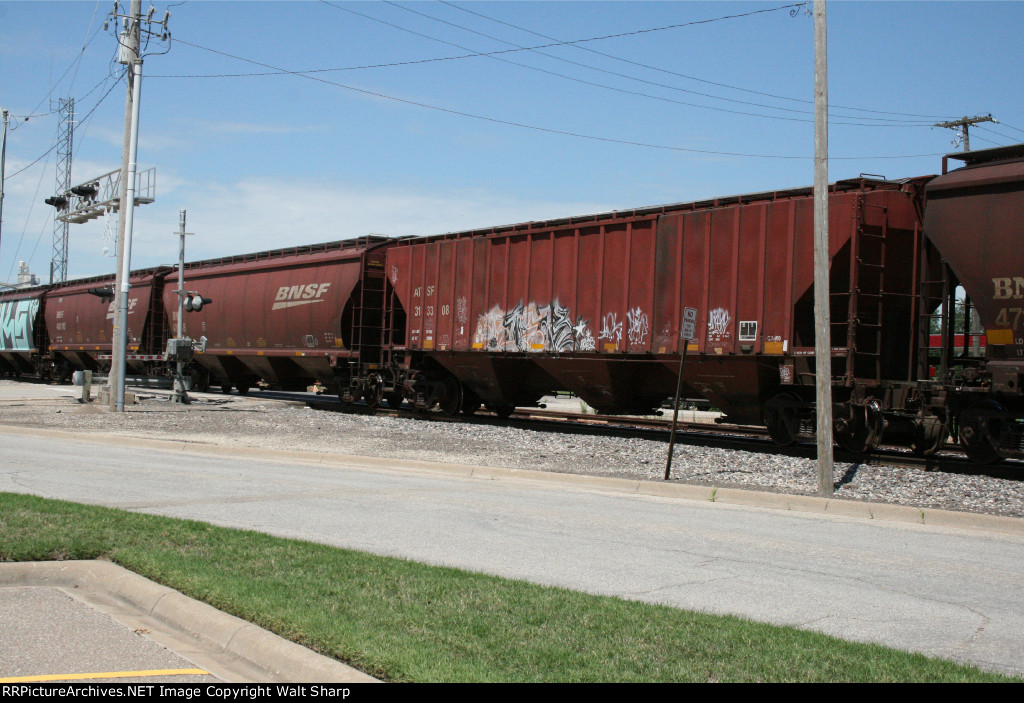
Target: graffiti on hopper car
532, 328
16, 324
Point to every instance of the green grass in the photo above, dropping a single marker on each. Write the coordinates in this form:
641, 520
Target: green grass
404, 621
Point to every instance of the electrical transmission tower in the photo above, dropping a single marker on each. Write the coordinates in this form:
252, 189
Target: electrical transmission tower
59, 262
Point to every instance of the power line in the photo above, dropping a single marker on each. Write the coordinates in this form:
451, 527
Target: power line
78, 61
32, 255
559, 58
73, 64
35, 116
998, 134
556, 43
622, 75
87, 116
31, 208
683, 75
42, 173
83, 124
601, 85
988, 141
471, 55
1011, 127
554, 73
537, 128
45, 153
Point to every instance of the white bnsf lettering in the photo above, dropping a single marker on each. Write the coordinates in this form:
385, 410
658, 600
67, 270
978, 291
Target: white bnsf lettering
290, 296
112, 308
1006, 288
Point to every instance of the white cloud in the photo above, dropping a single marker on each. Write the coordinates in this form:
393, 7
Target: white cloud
260, 214
149, 140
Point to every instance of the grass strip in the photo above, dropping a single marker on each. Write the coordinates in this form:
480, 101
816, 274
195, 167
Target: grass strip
404, 621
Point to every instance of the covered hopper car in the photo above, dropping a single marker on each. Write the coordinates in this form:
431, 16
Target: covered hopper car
288, 317
23, 340
73, 326
594, 305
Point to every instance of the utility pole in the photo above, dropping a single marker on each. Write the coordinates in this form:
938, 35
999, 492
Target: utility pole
962, 124
822, 314
128, 213
3, 161
180, 394
59, 260
127, 54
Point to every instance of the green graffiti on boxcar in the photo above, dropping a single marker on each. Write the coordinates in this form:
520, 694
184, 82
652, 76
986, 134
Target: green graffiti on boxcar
17, 322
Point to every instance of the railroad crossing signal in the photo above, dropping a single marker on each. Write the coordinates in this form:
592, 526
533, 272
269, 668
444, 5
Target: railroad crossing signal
195, 302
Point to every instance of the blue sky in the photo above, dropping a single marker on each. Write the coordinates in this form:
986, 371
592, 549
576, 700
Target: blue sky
267, 161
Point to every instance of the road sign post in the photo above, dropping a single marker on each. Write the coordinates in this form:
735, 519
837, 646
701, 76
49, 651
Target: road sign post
686, 333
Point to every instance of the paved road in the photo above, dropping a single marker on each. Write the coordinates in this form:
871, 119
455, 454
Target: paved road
942, 591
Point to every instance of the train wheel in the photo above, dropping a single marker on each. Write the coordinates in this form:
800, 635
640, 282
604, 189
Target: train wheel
225, 388
979, 431
243, 388
782, 418
861, 431
394, 399
451, 402
372, 391
470, 401
502, 411
929, 436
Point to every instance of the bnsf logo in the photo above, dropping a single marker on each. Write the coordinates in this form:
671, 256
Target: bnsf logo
1008, 288
290, 296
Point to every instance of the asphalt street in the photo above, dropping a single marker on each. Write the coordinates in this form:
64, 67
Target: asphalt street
943, 591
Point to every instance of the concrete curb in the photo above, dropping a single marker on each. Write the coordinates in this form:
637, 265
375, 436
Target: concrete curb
232, 640
997, 524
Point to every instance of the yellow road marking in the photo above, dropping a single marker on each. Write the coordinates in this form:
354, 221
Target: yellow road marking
104, 675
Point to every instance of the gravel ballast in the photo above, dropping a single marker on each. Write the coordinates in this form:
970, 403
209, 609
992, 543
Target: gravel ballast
272, 424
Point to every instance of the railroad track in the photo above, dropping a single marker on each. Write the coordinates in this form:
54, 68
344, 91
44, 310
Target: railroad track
719, 435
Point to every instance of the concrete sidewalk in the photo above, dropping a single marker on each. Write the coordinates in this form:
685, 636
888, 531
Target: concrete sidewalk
95, 621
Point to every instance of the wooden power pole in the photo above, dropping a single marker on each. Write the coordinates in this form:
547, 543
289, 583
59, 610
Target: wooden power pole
822, 315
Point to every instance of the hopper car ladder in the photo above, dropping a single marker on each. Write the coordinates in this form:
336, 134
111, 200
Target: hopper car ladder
865, 299
946, 286
154, 337
367, 318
